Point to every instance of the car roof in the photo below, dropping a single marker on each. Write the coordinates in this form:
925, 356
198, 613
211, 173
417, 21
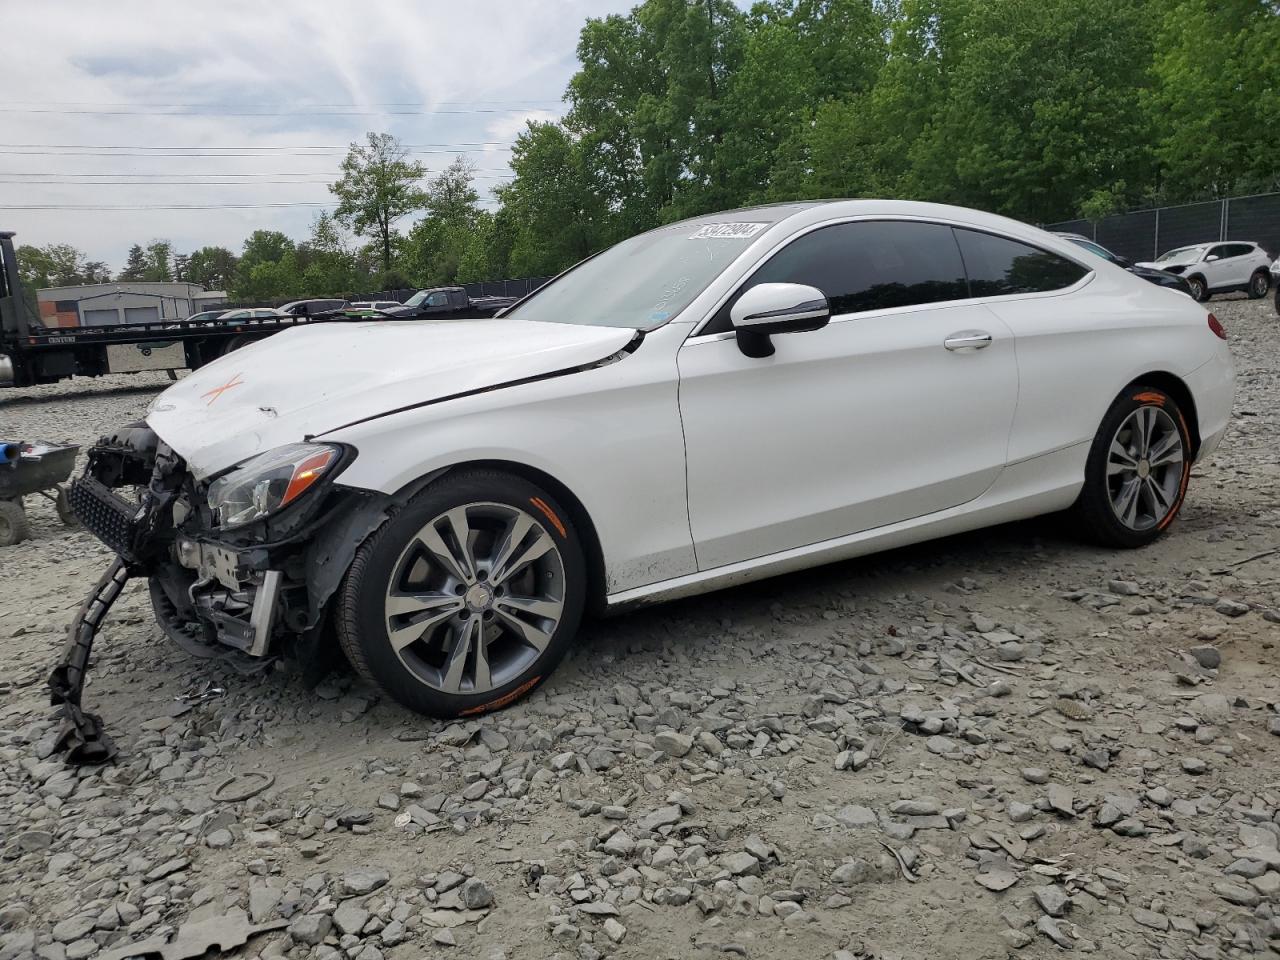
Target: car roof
801, 214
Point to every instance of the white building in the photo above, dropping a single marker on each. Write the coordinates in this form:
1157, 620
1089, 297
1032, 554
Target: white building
104, 304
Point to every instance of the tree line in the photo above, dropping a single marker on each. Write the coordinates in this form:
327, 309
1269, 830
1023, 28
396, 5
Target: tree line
1042, 110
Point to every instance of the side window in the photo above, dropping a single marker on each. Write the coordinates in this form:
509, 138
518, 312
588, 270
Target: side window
439, 299
1239, 249
998, 266
868, 265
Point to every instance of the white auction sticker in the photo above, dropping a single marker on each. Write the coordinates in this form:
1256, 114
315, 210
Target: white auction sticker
727, 231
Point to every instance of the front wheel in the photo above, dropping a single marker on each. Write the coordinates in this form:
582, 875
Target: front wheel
1259, 284
467, 597
1137, 471
13, 523
1199, 289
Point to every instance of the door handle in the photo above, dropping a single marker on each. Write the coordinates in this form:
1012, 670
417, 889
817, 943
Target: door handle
967, 341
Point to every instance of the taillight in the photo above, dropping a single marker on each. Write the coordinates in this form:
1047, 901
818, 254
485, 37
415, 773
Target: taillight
1217, 328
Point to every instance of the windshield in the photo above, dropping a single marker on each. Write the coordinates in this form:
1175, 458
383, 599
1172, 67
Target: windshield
417, 298
1182, 253
645, 281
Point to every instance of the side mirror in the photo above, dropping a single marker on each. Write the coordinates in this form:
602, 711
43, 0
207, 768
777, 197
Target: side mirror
1123, 262
1210, 258
770, 308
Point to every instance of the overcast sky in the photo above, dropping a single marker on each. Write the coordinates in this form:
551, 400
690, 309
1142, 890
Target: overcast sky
114, 104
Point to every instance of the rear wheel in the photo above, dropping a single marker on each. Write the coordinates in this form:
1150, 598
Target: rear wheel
13, 523
1199, 289
1259, 284
467, 597
1138, 468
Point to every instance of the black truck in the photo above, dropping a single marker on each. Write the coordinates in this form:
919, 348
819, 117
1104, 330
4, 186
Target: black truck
31, 353
447, 303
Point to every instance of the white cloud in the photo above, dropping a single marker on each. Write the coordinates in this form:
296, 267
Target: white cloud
469, 73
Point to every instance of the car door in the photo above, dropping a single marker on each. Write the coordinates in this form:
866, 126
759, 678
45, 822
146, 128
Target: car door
1241, 260
870, 420
1217, 271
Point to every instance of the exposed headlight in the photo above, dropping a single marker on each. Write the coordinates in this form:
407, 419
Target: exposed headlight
1177, 268
263, 484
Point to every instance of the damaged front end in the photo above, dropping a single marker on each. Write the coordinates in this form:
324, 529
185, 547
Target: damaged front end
238, 565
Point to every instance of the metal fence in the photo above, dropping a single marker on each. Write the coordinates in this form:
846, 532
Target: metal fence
1145, 234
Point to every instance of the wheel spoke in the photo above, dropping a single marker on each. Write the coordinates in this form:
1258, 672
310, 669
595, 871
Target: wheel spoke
1167, 450
461, 527
1126, 501
522, 556
1160, 503
534, 636
456, 665
431, 541
483, 680
533, 606
1119, 460
1145, 417
437, 606
517, 530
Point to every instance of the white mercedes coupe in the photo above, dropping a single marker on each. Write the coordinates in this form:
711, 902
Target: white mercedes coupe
708, 403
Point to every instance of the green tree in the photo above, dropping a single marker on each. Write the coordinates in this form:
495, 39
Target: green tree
135, 265
214, 268
1217, 70
268, 268
451, 196
159, 261
58, 265
555, 203
379, 186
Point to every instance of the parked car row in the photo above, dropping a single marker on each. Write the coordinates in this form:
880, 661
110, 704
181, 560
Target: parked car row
1211, 268
1200, 270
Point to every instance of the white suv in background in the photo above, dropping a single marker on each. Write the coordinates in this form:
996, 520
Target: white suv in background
1219, 268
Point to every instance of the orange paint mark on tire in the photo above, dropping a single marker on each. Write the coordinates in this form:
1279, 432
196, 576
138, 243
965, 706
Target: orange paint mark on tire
502, 701
1186, 477
1149, 396
550, 515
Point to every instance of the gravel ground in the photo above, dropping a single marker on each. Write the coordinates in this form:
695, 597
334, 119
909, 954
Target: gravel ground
1005, 743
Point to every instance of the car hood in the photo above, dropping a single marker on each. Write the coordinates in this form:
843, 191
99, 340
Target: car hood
310, 380
1179, 262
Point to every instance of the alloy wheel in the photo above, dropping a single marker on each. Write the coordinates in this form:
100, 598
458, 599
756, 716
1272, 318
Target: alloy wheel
475, 597
1197, 289
1144, 468
1260, 285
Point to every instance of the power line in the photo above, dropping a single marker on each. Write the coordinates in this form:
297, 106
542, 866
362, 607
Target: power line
213, 156
278, 146
266, 113
272, 103
301, 173
186, 183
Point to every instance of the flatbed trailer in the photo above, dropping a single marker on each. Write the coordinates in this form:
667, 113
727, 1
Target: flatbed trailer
32, 354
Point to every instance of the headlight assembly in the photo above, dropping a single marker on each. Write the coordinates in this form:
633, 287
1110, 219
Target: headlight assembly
264, 484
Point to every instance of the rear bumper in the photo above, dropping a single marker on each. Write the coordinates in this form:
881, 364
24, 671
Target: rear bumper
1213, 385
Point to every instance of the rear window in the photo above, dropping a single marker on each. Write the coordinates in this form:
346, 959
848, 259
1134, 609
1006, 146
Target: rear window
998, 266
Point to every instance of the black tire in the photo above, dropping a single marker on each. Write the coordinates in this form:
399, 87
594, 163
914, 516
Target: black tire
1094, 509
1259, 284
1199, 289
13, 523
63, 506
362, 620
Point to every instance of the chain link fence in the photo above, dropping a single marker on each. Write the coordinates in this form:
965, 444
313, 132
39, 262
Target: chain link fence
1143, 235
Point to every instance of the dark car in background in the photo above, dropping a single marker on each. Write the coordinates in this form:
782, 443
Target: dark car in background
446, 303
1161, 278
